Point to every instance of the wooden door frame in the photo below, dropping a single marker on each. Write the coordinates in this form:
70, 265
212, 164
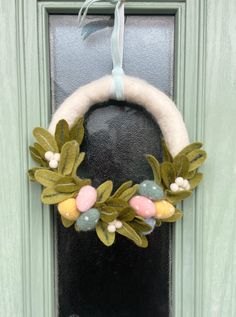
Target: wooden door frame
30, 278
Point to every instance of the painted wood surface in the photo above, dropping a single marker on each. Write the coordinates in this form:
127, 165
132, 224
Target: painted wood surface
204, 261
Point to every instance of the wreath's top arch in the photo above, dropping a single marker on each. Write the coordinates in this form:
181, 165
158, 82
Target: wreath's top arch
136, 91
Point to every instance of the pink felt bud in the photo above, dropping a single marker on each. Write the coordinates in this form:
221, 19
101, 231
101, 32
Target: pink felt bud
143, 206
86, 198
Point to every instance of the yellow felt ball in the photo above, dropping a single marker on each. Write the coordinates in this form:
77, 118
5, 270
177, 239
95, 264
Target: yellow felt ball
164, 209
68, 209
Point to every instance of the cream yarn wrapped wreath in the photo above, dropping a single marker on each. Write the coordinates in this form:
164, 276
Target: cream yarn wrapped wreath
134, 209
136, 91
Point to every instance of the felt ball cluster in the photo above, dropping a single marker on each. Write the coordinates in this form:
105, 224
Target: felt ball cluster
52, 158
180, 184
80, 209
112, 226
150, 202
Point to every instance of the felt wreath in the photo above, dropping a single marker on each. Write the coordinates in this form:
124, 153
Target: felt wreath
133, 210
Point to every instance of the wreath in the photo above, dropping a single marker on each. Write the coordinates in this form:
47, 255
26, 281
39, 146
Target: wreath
133, 210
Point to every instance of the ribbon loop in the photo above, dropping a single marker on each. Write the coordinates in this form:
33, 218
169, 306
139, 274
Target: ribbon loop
117, 42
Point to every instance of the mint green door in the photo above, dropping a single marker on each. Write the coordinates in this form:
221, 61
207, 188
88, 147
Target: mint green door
204, 246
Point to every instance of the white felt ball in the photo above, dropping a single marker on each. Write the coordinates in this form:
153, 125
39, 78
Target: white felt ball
48, 155
174, 187
53, 164
56, 157
118, 224
188, 187
111, 228
179, 181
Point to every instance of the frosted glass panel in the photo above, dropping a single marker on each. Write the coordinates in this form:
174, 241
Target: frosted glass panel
123, 280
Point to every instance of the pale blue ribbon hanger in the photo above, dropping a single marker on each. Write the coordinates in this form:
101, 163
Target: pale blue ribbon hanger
117, 42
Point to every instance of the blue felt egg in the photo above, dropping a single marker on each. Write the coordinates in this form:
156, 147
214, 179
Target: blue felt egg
87, 220
152, 223
151, 190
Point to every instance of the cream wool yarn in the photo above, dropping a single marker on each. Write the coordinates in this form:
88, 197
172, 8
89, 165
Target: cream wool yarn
136, 91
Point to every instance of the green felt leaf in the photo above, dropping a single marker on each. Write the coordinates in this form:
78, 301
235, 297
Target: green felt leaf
40, 150
122, 188
194, 182
129, 193
168, 174
144, 241
47, 178
50, 196
45, 139
155, 166
117, 204
176, 216
31, 173
196, 158
158, 223
62, 133
176, 197
139, 225
127, 214
77, 131
78, 161
166, 154
189, 148
107, 213
191, 174
67, 223
105, 236
104, 191
69, 154
67, 184
36, 156
181, 165
127, 231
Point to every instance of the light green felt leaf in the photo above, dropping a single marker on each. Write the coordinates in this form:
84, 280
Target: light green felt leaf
181, 165
108, 214
194, 182
67, 184
168, 174
36, 156
127, 231
69, 154
155, 166
166, 154
31, 173
129, 193
45, 139
62, 133
47, 178
191, 174
40, 150
117, 204
122, 188
176, 216
196, 158
105, 236
78, 161
77, 131
176, 197
67, 223
189, 148
104, 191
127, 214
50, 196
139, 225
